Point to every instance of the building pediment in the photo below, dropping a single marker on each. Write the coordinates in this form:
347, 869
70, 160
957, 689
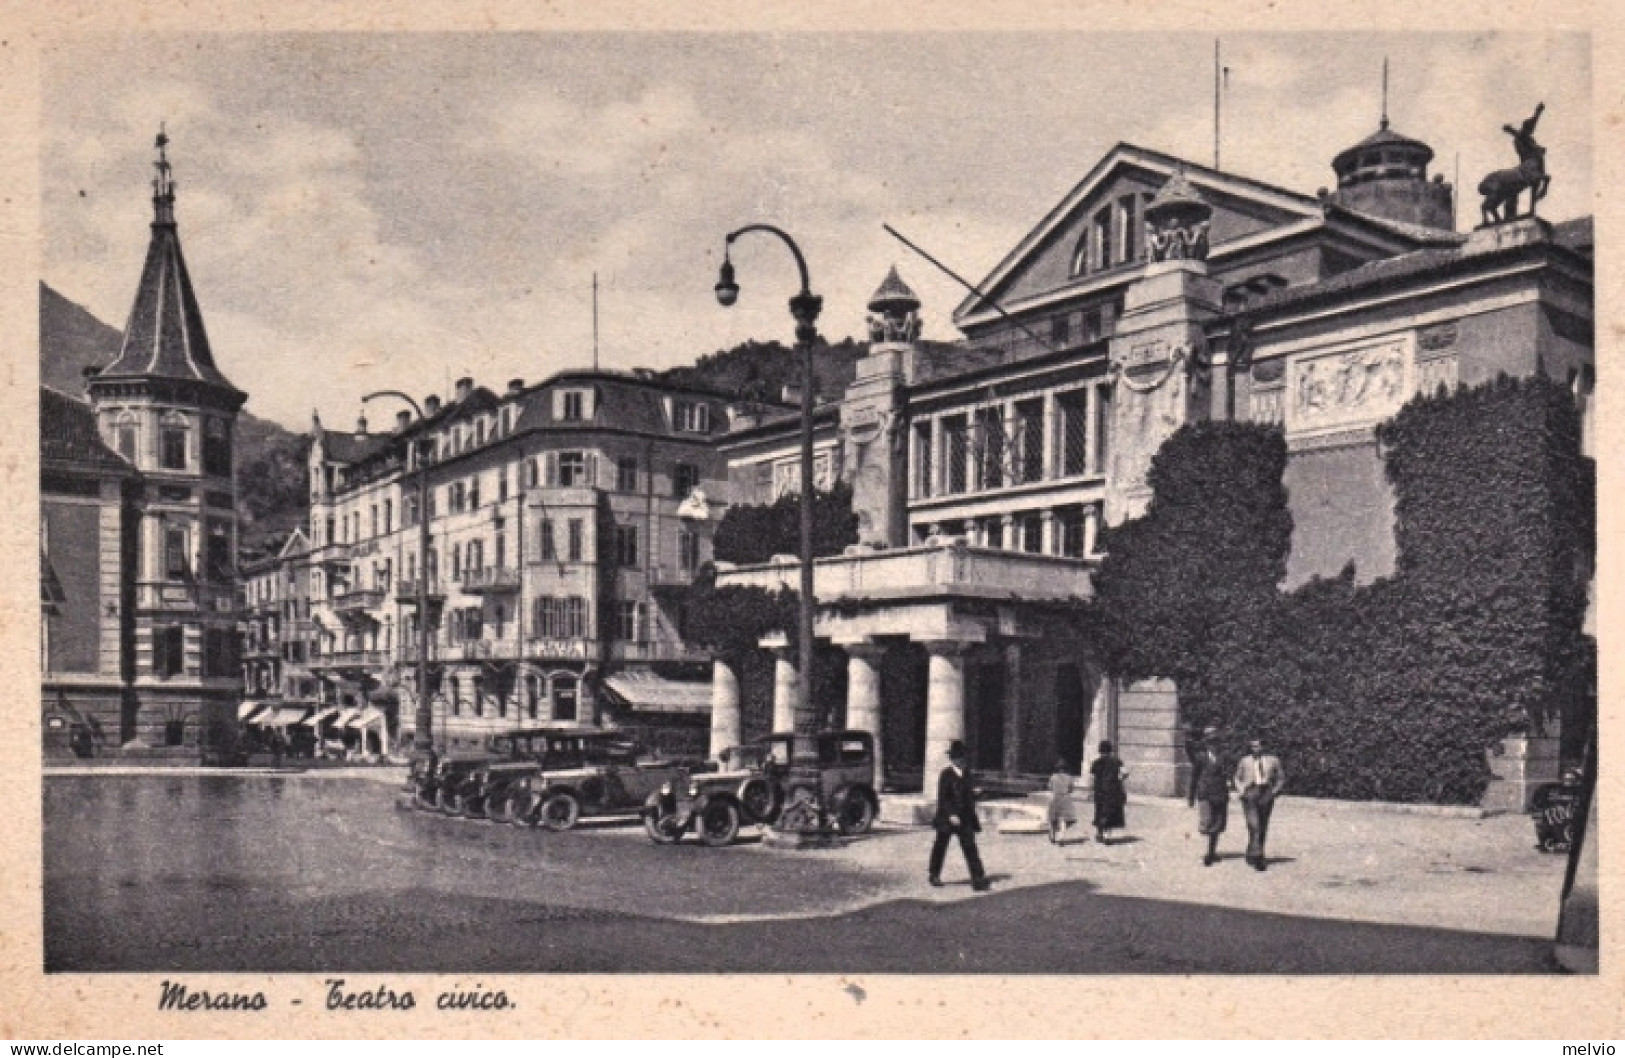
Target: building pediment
1093, 239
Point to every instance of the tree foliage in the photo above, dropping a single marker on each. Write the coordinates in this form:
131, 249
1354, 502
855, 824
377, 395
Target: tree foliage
750, 533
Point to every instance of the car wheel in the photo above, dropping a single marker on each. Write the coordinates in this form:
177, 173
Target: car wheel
760, 800
443, 802
857, 813
500, 809
719, 823
662, 829
525, 814
560, 811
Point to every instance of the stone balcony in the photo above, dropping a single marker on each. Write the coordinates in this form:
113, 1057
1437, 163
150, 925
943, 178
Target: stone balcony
406, 590
358, 600
185, 596
944, 568
621, 650
490, 580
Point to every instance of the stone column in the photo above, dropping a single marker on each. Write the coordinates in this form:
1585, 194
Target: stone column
1015, 718
944, 706
1048, 543
726, 721
1051, 432
1007, 526
784, 689
1091, 529
863, 694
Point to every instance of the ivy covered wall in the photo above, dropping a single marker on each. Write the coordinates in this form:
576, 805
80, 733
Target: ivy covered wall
1396, 689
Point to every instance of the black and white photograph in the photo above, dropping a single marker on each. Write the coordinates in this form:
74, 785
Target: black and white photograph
872, 502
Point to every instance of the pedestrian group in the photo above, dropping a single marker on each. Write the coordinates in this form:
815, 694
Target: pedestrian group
1257, 780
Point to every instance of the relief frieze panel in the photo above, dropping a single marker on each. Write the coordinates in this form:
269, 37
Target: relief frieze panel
1348, 387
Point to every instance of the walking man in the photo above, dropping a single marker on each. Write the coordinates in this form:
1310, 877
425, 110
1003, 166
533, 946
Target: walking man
1258, 779
956, 816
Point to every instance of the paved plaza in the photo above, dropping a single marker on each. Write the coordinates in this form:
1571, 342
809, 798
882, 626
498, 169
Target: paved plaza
326, 872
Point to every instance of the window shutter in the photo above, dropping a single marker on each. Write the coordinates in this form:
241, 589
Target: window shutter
589, 403
592, 471
551, 469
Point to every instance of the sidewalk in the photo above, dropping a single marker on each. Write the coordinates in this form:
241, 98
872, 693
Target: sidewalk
1335, 860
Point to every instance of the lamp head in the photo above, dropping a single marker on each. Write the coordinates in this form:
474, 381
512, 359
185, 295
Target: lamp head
727, 289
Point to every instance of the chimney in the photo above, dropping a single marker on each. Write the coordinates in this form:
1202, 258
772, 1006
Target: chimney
361, 427
465, 385
431, 405
515, 386
403, 419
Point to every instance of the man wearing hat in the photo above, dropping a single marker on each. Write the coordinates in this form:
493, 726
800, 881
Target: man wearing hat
956, 815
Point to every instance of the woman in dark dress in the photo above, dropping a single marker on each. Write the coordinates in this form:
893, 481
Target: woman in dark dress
1110, 797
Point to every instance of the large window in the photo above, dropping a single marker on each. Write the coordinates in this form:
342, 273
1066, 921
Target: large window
547, 546
691, 417
558, 617
629, 621
219, 652
685, 478
177, 558
575, 532
626, 546
168, 650
955, 451
923, 486
572, 469
1074, 412
573, 406
217, 447
127, 435
1030, 438
990, 438
626, 474
172, 438
688, 550
218, 551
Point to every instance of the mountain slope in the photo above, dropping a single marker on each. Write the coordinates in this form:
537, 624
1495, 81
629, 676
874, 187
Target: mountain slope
272, 490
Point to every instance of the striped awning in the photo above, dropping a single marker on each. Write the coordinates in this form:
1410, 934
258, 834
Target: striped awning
318, 716
279, 717
248, 709
368, 717
644, 692
345, 716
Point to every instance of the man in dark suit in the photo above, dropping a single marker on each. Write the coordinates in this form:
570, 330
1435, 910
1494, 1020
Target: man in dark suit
956, 815
1258, 779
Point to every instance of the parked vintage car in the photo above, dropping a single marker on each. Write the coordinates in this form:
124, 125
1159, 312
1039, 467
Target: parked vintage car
435, 778
489, 789
759, 779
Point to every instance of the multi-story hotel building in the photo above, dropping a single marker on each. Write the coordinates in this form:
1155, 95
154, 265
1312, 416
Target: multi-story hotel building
564, 518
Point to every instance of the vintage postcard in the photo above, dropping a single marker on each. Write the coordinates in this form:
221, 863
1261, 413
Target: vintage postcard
660, 525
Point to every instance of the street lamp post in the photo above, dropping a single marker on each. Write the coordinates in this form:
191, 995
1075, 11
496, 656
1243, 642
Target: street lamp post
804, 307
423, 720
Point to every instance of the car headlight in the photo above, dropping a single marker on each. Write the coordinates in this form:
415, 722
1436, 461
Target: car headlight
665, 789
693, 789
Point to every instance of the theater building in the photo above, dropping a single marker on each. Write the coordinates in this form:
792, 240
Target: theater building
1157, 293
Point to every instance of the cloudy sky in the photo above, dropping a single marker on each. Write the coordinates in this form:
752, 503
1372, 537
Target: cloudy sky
367, 211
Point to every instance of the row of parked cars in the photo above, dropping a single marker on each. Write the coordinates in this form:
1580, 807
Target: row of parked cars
554, 776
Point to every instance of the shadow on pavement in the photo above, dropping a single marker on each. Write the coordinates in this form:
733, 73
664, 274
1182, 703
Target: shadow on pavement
1065, 927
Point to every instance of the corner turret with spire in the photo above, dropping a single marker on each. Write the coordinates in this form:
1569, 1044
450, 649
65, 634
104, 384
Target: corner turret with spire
164, 405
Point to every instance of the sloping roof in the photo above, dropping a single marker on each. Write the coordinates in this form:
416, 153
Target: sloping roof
1127, 154
341, 447
1577, 234
68, 434
1395, 269
1418, 232
164, 337
1383, 137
